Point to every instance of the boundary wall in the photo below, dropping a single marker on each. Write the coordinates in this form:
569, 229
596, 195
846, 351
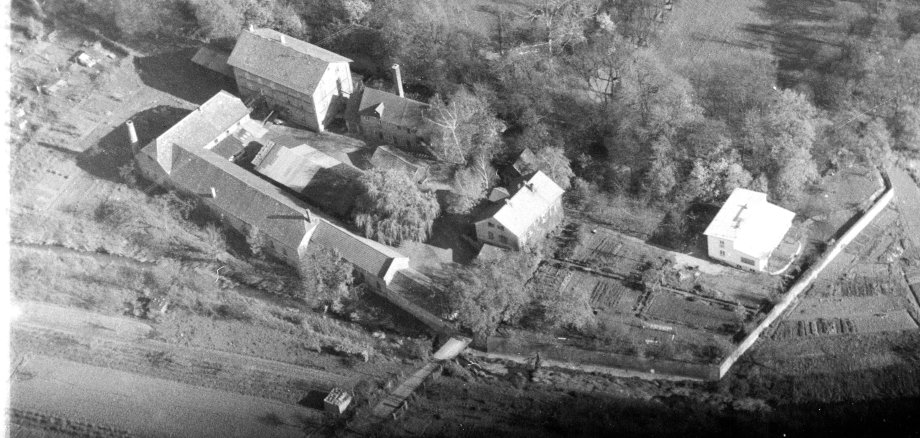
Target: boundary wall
804, 282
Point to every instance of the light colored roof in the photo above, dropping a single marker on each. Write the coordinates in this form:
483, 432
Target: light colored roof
528, 204
203, 125
214, 59
296, 64
754, 225
525, 160
391, 108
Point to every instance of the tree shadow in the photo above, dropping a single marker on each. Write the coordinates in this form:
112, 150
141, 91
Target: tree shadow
114, 150
796, 32
176, 74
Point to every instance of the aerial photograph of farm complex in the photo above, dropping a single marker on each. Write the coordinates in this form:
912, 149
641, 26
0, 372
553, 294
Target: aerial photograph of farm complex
462, 218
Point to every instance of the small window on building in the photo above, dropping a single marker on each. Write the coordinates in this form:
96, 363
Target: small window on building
721, 244
491, 225
501, 227
491, 235
747, 261
502, 239
380, 134
722, 253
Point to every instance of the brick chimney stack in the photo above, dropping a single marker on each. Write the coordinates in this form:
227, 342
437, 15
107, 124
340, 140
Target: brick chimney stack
398, 79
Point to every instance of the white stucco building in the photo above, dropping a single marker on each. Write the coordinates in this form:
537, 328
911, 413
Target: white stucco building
747, 229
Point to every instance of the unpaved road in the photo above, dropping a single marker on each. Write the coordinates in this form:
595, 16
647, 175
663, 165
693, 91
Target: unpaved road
125, 344
146, 406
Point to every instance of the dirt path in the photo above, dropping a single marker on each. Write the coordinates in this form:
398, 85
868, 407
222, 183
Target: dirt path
126, 344
147, 406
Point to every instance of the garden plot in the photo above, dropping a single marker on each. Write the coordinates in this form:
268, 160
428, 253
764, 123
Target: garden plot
885, 322
896, 320
613, 252
671, 308
848, 307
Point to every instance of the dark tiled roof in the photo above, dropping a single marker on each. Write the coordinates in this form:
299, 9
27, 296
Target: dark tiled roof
242, 194
387, 158
371, 256
295, 64
399, 111
320, 178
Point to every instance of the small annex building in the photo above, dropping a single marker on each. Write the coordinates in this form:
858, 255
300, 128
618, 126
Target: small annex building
529, 213
307, 84
186, 157
388, 118
317, 177
747, 229
387, 158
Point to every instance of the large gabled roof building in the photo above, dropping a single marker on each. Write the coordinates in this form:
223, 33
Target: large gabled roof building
306, 83
185, 157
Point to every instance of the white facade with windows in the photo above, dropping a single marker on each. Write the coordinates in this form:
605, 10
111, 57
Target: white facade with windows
747, 229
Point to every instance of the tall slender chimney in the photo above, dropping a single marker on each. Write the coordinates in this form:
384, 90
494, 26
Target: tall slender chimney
132, 133
398, 79
283, 40
252, 28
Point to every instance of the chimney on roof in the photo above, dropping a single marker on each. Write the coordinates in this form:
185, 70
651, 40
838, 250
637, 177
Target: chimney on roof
132, 133
252, 28
529, 185
213, 193
283, 40
398, 79
307, 215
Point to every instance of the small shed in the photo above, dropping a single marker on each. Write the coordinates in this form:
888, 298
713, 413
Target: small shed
213, 59
388, 158
337, 401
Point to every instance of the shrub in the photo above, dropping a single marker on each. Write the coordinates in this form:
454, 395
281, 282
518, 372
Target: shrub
454, 369
34, 28
111, 213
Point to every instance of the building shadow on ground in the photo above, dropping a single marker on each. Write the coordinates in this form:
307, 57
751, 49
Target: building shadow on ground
176, 74
114, 150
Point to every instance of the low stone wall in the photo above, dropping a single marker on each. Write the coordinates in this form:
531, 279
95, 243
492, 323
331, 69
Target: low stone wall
809, 276
526, 345
426, 317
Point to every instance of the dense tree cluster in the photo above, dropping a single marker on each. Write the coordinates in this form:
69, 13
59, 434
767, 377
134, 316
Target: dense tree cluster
391, 208
327, 277
489, 293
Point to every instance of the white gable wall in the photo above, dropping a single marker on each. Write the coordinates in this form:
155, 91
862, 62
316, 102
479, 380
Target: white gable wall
336, 82
724, 250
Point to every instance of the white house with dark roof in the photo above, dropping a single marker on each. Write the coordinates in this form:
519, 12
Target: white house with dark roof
306, 83
528, 214
387, 118
747, 229
185, 158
